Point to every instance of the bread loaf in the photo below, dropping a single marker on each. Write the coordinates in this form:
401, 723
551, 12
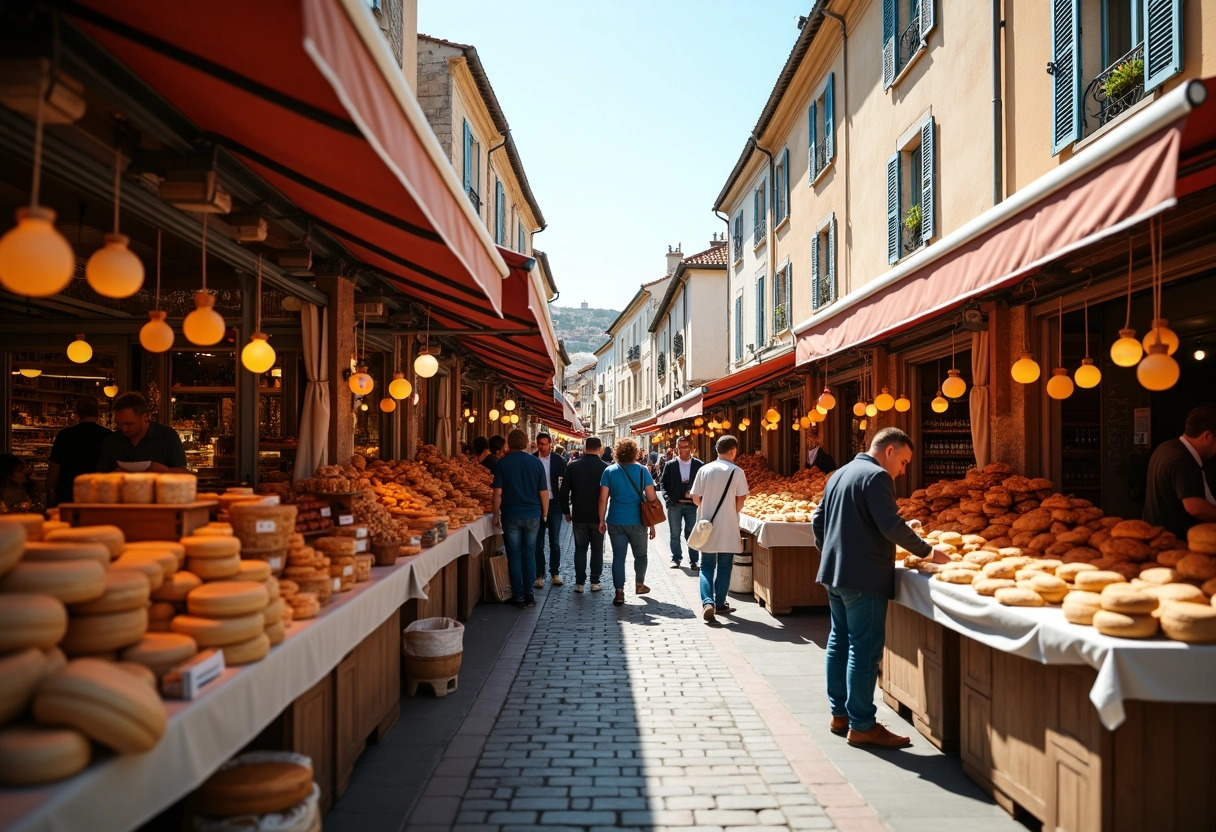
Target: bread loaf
1127, 599
1181, 593
20, 675
109, 536
218, 632
91, 634
1158, 575
247, 652
1019, 597
12, 544
215, 569
1122, 625
1095, 580
160, 652
1202, 538
31, 620
30, 755
1198, 566
104, 703
224, 599
989, 586
1069, 571
1191, 623
1136, 529
956, 576
1052, 589
1080, 606
71, 581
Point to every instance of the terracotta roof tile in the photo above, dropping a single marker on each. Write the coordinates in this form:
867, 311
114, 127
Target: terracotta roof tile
717, 255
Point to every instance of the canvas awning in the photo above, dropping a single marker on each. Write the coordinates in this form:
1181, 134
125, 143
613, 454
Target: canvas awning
724, 389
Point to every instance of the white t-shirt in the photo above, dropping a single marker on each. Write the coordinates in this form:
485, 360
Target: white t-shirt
709, 485
544, 460
685, 469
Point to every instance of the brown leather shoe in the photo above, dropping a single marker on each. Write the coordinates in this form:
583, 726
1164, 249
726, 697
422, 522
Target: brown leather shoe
707, 612
840, 725
878, 736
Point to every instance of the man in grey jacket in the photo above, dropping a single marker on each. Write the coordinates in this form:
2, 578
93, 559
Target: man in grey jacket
856, 527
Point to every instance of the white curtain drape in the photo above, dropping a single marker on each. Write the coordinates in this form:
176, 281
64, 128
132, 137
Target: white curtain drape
981, 430
314, 417
443, 413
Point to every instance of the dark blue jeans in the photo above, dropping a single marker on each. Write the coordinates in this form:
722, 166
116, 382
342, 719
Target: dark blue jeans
624, 538
553, 525
519, 536
715, 577
859, 631
684, 514
587, 535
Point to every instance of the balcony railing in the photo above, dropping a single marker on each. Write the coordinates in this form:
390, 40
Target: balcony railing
737, 246
1114, 90
634, 353
661, 365
909, 41
475, 198
821, 158
911, 238
677, 346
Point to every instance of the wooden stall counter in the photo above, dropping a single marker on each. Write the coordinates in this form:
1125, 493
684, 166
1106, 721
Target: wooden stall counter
785, 563
152, 521
920, 674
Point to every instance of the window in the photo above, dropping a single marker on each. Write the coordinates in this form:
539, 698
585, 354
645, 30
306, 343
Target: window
519, 227
739, 327
823, 264
761, 310
472, 167
905, 32
737, 236
781, 188
759, 214
822, 147
500, 213
1097, 76
782, 286
911, 193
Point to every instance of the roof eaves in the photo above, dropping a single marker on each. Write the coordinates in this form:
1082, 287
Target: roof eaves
629, 307
544, 260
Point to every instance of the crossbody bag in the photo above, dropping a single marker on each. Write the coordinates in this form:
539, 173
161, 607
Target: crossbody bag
704, 528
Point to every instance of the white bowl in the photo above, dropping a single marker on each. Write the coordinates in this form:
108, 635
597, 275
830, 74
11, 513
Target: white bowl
134, 467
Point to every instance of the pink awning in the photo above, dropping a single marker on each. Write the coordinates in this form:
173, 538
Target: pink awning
680, 409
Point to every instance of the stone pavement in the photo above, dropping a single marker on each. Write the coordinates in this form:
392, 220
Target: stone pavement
582, 715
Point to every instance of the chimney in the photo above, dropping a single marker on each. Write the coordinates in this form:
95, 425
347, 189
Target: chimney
674, 257
718, 239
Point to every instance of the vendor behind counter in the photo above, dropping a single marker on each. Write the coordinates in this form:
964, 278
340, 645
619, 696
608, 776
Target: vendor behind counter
139, 439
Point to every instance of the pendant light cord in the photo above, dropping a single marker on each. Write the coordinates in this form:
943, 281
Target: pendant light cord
1154, 280
43, 90
1127, 322
156, 302
204, 251
258, 303
1085, 312
1061, 344
117, 183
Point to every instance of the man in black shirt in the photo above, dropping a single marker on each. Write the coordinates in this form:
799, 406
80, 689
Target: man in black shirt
1178, 496
494, 448
75, 452
139, 439
579, 499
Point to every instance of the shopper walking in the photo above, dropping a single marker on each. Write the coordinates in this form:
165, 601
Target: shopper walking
622, 487
75, 452
718, 491
579, 498
856, 527
677, 478
555, 470
521, 501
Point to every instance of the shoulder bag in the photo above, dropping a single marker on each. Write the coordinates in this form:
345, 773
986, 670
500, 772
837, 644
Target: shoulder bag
704, 528
652, 510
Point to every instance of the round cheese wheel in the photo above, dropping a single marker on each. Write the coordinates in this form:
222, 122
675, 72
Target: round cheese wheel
160, 546
20, 675
151, 567
1182, 593
12, 545
1052, 589
218, 546
1003, 569
217, 632
30, 755
92, 634
51, 525
1127, 599
161, 611
31, 620
214, 530
273, 612
161, 652
32, 523
68, 580
272, 587
107, 705
247, 652
126, 589
257, 783
177, 586
110, 536
1019, 596
223, 599
1191, 623
1080, 606
166, 559
140, 672
46, 550
139, 488
1122, 625
176, 489
253, 570
215, 569
276, 632
55, 661
1096, 580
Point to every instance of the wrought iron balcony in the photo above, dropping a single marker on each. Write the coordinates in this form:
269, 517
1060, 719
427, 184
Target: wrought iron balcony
661, 365
821, 158
634, 353
737, 246
1114, 90
475, 198
909, 41
911, 238
677, 346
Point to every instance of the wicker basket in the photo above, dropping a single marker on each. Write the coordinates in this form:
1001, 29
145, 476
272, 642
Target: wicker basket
386, 553
262, 528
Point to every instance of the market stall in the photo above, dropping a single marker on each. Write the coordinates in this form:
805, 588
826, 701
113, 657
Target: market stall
785, 563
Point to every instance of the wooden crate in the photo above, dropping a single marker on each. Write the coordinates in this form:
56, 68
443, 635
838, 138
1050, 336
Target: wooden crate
920, 674
1030, 736
141, 522
785, 577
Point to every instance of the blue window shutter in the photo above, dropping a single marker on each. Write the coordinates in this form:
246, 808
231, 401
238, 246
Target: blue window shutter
739, 327
889, 27
829, 119
815, 278
500, 212
520, 228
468, 157
832, 272
1066, 73
785, 182
812, 171
927, 195
760, 311
1162, 41
927, 18
756, 202
893, 218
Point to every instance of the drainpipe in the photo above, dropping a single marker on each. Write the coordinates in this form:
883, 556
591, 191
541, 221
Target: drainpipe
844, 56
770, 231
998, 147
729, 266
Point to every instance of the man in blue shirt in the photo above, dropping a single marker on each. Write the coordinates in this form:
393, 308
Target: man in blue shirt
521, 502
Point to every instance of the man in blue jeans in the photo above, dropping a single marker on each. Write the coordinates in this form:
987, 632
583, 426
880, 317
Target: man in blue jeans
521, 501
856, 527
551, 526
678, 475
718, 492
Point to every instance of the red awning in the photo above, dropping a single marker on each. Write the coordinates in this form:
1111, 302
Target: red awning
306, 95
1115, 183
685, 407
645, 426
736, 384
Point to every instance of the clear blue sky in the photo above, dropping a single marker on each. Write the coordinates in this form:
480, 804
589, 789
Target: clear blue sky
628, 115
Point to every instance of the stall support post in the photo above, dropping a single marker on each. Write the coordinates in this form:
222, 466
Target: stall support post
248, 404
409, 341
458, 420
341, 322
768, 438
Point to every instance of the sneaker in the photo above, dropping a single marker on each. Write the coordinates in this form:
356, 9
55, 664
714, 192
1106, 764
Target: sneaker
878, 736
557, 580
530, 601
518, 603
596, 587
578, 587
707, 612
539, 583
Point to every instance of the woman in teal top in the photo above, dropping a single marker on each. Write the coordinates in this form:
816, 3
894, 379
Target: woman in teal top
622, 487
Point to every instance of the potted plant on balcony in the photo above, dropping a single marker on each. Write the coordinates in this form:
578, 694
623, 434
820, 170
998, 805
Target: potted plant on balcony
912, 224
779, 317
1123, 78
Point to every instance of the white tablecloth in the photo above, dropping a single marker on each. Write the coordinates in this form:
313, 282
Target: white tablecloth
772, 535
122, 792
1155, 670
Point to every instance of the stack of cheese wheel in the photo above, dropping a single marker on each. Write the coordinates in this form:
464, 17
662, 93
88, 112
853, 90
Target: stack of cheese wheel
258, 790
111, 537
229, 615
170, 599
32, 523
341, 554
213, 557
309, 569
275, 618
160, 652
176, 489
118, 619
178, 550
106, 703
139, 488
97, 488
214, 529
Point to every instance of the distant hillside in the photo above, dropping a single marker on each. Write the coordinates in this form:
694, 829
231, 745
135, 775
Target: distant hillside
583, 330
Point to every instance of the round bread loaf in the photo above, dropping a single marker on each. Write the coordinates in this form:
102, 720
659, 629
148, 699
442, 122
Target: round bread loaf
1202, 538
159, 546
1136, 529
70, 581
256, 783
215, 569
161, 652
1191, 623
20, 675
288, 587
211, 546
273, 612
177, 586
1052, 589
151, 567
1018, 596
981, 557
247, 652
125, 590
31, 620
1095, 580
1069, 571
104, 703
989, 586
109, 536
217, 632
1080, 606
1182, 593
47, 550
1198, 566
30, 755
91, 634
12, 545
1122, 625
1127, 599
305, 605
34, 524
223, 599
1158, 575
1001, 569
276, 632
140, 672
956, 576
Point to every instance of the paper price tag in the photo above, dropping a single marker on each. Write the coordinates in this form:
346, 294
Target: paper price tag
275, 563
348, 570
264, 527
360, 546
360, 531
337, 584
346, 519
326, 511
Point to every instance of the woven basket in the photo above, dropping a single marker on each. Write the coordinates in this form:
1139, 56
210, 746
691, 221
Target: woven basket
262, 528
386, 553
